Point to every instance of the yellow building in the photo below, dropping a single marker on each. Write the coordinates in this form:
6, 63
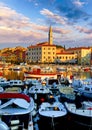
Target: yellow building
83, 54
42, 53
47, 52
9, 57
65, 57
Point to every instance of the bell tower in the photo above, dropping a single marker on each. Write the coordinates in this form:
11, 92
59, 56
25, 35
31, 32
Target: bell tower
50, 37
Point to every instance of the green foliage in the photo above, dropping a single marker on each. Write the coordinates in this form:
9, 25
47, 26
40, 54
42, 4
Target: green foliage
59, 46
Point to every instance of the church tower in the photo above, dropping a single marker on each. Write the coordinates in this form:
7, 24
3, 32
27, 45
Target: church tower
50, 37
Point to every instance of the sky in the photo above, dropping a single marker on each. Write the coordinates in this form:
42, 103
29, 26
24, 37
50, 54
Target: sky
27, 22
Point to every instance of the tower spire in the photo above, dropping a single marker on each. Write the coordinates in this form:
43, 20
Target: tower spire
50, 37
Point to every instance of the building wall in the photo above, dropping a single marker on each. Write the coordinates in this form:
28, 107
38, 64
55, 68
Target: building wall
83, 54
41, 53
48, 53
34, 54
66, 58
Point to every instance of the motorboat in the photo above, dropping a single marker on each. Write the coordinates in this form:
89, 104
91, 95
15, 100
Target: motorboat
51, 81
67, 94
16, 82
52, 113
61, 69
16, 111
17, 68
76, 83
39, 93
52, 110
79, 114
53, 84
38, 73
3, 82
39, 89
85, 88
13, 89
65, 81
1, 89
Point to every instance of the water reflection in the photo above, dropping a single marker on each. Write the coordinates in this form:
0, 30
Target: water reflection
10, 74
83, 75
13, 74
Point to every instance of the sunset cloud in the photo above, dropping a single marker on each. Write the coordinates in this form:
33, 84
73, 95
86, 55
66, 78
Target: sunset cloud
29, 21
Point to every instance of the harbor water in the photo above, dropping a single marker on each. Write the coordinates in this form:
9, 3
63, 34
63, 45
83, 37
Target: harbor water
10, 74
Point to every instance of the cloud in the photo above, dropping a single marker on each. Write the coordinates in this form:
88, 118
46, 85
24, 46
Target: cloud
46, 3
11, 19
84, 29
72, 11
53, 18
78, 3
15, 27
60, 30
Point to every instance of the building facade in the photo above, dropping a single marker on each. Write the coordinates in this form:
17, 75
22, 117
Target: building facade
83, 54
47, 52
41, 53
65, 57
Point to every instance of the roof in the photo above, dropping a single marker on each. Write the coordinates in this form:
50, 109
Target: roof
78, 48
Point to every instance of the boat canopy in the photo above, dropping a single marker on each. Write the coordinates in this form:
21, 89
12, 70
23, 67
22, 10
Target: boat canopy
14, 95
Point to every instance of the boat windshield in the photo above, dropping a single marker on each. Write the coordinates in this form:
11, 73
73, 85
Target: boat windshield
52, 109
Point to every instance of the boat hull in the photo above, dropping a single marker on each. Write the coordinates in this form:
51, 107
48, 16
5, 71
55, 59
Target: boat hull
86, 95
52, 123
39, 76
78, 120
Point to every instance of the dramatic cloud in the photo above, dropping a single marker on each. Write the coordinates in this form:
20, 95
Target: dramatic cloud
15, 27
53, 17
84, 30
71, 24
72, 11
11, 19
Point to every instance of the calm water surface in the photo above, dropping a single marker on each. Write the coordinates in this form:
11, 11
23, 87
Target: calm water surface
19, 75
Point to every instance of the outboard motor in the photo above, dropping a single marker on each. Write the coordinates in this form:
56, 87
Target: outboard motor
78, 101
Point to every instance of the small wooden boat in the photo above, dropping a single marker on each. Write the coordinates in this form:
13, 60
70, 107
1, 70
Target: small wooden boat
37, 73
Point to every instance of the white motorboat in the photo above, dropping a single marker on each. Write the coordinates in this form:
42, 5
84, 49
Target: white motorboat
65, 80
38, 73
54, 110
16, 82
3, 82
79, 114
39, 89
53, 84
39, 93
85, 88
52, 113
16, 111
